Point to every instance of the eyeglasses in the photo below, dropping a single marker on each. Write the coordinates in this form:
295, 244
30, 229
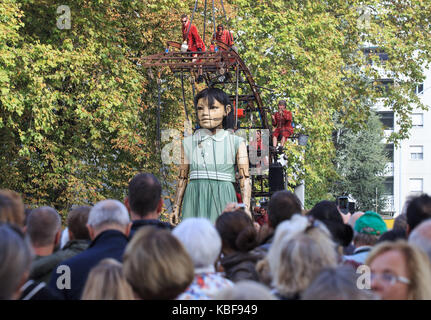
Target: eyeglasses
389, 278
183, 21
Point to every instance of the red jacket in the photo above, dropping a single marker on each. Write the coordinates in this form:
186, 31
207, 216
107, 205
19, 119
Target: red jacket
283, 124
225, 37
194, 41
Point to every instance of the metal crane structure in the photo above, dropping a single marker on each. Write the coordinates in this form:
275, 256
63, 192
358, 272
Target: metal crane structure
224, 68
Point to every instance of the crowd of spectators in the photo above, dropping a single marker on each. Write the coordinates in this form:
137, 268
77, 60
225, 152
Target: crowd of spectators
123, 251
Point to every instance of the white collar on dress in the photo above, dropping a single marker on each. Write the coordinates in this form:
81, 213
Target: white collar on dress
203, 134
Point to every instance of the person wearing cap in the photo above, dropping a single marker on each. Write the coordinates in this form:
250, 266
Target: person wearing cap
282, 121
368, 228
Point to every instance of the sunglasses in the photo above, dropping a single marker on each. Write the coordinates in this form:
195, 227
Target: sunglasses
183, 21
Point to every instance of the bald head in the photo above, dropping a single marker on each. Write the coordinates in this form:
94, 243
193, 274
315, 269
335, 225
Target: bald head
42, 226
421, 237
354, 217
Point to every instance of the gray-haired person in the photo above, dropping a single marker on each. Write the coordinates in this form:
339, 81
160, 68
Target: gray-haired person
109, 227
421, 237
15, 257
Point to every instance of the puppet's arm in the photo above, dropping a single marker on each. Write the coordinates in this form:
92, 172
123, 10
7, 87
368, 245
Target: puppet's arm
244, 176
181, 187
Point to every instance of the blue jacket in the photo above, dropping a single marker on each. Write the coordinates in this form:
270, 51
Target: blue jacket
108, 244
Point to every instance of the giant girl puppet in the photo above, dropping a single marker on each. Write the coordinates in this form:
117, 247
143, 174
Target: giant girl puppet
210, 159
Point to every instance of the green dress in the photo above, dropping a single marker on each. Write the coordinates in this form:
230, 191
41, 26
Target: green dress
212, 161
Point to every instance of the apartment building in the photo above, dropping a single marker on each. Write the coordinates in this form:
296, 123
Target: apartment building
409, 170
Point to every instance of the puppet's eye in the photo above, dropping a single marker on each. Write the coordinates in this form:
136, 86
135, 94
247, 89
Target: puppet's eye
200, 108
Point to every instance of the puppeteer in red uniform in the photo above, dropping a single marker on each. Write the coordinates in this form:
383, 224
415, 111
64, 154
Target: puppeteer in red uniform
282, 121
193, 39
223, 36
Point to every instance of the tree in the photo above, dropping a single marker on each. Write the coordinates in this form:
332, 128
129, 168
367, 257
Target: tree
313, 53
77, 113
360, 163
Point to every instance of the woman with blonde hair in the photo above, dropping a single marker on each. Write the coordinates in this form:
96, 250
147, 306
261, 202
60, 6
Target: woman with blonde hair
400, 271
296, 257
106, 281
157, 265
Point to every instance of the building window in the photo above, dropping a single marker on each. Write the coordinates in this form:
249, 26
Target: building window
387, 119
420, 89
417, 120
416, 185
416, 152
389, 148
389, 186
383, 85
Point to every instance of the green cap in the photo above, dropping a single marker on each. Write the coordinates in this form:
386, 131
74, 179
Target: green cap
370, 223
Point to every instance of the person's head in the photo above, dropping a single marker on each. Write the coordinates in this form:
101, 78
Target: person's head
258, 134
77, 223
393, 235
11, 208
368, 228
184, 19
245, 290
282, 206
338, 283
237, 231
418, 210
400, 222
108, 215
354, 217
44, 229
156, 264
106, 281
282, 105
299, 256
214, 109
220, 28
328, 213
201, 240
15, 257
145, 196
399, 271
421, 237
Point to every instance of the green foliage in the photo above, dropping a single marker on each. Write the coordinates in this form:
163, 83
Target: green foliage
360, 162
78, 114
311, 52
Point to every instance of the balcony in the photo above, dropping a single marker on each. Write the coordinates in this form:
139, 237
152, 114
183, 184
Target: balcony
389, 169
388, 206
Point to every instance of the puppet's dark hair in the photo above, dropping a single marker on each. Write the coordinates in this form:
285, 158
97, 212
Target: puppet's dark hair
223, 98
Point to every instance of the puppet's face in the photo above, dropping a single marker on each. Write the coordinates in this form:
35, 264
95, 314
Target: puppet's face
211, 117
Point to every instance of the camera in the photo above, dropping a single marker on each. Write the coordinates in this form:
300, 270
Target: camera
345, 205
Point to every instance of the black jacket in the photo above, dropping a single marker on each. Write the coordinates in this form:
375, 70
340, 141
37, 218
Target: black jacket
108, 244
242, 265
42, 267
32, 290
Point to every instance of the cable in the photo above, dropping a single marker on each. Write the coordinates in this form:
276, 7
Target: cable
205, 20
213, 15
191, 20
227, 20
